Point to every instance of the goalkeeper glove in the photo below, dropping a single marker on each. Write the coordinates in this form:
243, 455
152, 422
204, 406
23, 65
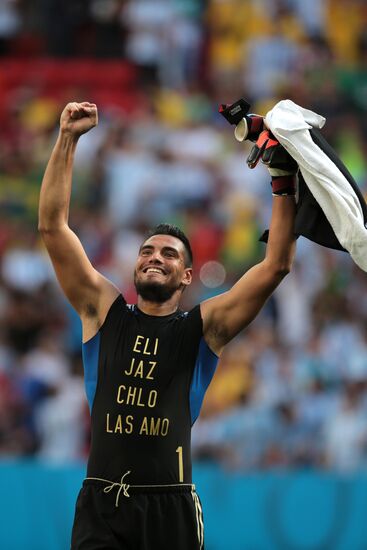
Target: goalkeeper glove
282, 167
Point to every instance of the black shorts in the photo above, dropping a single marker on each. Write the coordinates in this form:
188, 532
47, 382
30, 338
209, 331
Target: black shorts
142, 518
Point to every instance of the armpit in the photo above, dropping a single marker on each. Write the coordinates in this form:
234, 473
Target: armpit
217, 336
91, 310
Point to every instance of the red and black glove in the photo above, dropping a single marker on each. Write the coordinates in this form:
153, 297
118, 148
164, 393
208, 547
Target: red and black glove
248, 126
282, 167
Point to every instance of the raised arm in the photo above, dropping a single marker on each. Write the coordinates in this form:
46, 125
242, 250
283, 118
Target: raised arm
88, 291
226, 315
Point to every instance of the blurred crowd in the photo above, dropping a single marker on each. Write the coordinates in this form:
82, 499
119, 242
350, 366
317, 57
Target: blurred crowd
291, 390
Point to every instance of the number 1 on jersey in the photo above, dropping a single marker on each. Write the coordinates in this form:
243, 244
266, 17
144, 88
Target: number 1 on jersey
180, 464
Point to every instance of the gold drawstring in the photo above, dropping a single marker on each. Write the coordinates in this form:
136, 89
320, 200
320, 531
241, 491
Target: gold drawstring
122, 487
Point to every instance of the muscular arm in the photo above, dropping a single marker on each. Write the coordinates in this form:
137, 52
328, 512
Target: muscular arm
226, 315
87, 290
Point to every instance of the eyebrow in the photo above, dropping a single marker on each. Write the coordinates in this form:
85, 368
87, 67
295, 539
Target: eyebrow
164, 249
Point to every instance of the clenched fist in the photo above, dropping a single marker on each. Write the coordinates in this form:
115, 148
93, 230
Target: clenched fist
78, 118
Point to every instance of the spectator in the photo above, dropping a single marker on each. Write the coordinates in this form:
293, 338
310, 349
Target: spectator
293, 389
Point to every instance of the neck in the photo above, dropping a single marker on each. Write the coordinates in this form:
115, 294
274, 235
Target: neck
158, 309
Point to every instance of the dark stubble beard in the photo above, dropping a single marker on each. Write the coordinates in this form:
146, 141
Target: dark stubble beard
154, 292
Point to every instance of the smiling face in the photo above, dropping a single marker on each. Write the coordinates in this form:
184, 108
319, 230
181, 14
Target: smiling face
161, 270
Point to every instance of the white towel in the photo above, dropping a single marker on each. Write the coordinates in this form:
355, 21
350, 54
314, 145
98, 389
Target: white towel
290, 124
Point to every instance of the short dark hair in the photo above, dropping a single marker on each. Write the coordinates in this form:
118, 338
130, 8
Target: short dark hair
174, 231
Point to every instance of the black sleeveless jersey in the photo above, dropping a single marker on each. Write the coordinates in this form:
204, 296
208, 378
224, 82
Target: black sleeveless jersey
145, 381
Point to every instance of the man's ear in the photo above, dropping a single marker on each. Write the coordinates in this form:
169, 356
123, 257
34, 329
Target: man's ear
187, 278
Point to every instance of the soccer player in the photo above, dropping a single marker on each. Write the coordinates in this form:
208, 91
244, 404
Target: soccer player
148, 365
